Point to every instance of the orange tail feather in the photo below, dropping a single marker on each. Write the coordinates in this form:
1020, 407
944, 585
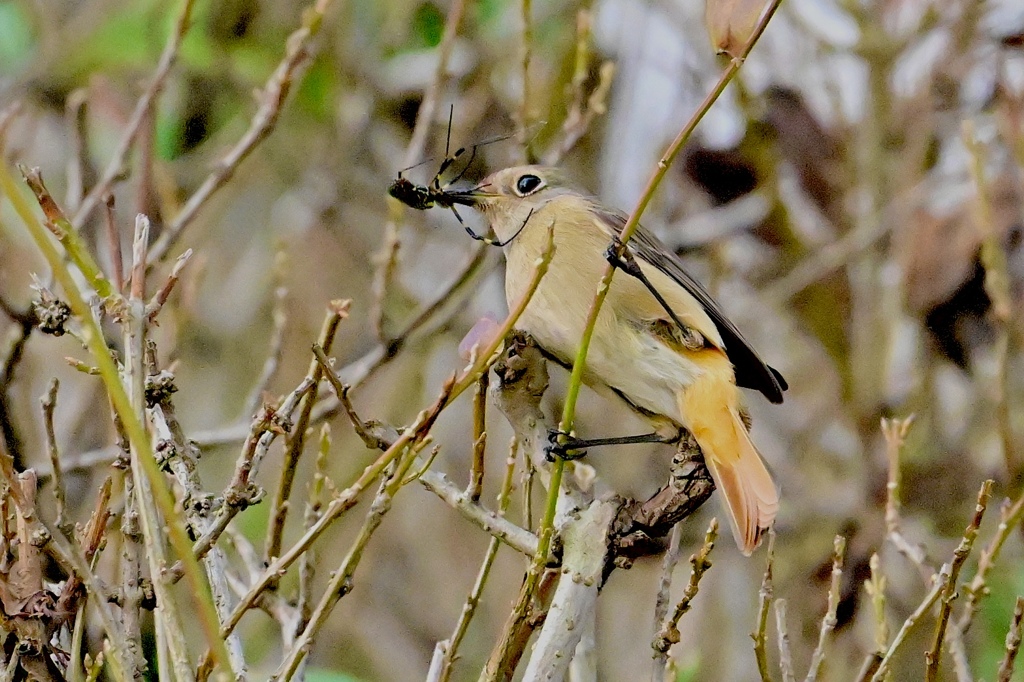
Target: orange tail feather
709, 411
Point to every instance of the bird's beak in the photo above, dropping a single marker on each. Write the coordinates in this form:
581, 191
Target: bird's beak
476, 196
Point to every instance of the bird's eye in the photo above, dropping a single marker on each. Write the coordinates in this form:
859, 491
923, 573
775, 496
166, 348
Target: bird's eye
528, 184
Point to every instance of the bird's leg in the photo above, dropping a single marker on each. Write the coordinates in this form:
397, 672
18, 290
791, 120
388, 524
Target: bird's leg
572, 447
619, 255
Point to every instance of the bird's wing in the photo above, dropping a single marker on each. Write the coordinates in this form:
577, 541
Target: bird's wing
751, 371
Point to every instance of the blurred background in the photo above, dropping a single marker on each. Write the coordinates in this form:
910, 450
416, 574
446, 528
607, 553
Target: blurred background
827, 201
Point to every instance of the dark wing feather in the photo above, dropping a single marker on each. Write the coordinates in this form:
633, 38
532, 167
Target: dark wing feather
751, 370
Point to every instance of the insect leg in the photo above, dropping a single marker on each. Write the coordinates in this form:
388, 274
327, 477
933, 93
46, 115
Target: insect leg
445, 165
497, 243
469, 230
464, 168
488, 240
448, 137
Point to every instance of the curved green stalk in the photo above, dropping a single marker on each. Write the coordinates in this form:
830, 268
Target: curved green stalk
136, 431
576, 380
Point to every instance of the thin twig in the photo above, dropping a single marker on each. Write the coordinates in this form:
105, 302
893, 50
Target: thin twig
72, 554
492, 522
662, 601
360, 370
60, 227
1010, 517
337, 311
362, 429
48, 402
161, 296
912, 620
276, 345
266, 426
668, 634
476, 470
828, 622
525, 56
895, 433
446, 651
169, 626
307, 564
92, 336
949, 592
386, 262
116, 167
785, 654
344, 501
113, 242
1013, 638
341, 578
875, 588
78, 163
764, 602
180, 456
272, 98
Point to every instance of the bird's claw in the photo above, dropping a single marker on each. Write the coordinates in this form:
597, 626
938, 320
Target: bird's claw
563, 446
619, 256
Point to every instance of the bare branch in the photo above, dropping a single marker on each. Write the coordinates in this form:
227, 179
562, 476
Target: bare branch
446, 651
668, 565
113, 243
512, 535
585, 548
476, 471
785, 654
1010, 516
161, 296
48, 402
337, 311
912, 620
895, 432
828, 622
116, 168
949, 591
764, 602
876, 590
668, 634
273, 96
1013, 638
341, 578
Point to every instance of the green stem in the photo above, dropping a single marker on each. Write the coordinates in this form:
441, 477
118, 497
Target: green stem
66, 234
579, 365
137, 435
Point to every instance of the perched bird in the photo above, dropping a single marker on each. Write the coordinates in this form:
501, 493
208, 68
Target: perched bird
661, 343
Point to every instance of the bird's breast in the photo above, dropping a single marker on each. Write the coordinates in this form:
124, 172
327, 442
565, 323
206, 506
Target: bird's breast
623, 354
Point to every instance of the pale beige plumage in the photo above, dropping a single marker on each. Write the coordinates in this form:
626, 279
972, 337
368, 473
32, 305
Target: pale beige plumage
673, 385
